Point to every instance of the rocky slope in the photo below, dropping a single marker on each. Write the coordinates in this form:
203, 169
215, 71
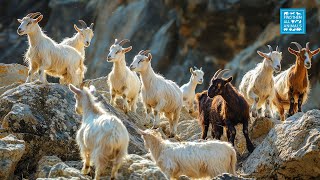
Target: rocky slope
38, 124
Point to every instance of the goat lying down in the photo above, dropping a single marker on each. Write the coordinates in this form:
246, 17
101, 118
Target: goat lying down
194, 159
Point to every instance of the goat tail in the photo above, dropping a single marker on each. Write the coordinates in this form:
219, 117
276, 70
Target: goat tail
233, 163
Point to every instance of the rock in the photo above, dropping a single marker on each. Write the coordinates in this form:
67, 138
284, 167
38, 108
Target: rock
133, 167
290, 150
44, 117
11, 75
45, 164
227, 176
11, 151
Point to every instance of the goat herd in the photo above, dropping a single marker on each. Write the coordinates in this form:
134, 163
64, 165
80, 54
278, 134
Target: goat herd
103, 137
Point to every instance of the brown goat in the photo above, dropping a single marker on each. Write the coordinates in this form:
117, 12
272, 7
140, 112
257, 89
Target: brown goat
292, 86
226, 109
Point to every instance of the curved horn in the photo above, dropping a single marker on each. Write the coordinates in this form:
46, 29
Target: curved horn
83, 24
195, 67
298, 45
146, 52
32, 15
270, 48
91, 26
222, 72
277, 49
122, 42
141, 52
215, 74
307, 46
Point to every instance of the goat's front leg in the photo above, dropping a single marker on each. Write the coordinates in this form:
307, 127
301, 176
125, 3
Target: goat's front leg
267, 111
86, 163
291, 97
255, 103
231, 132
156, 112
300, 102
33, 68
125, 100
112, 96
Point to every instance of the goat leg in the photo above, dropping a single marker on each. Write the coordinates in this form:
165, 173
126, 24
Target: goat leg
231, 132
291, 110
300, 102
250, 146
205, 130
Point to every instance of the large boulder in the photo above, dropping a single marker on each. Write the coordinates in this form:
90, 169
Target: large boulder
44, 117
11, 151
290, 150
133, 167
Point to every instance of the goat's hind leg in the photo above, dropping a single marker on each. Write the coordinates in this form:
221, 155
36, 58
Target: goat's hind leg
250, 146
217, 131
267, 111
86, 163
291, 97
300, 102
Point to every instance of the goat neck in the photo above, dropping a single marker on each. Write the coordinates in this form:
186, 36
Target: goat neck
147, 76
35, 36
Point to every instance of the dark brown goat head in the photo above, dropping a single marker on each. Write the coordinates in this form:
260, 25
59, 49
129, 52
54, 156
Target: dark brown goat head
303, 55
218, 84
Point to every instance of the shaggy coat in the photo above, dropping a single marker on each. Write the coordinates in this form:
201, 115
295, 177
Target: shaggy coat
102, 137
158, 94
257, 85
188, 89
194, 159
292, 86
233, 109
50, 58
122, 82
81, 39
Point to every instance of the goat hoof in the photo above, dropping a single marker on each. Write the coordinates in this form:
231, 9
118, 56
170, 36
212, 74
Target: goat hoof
171, 136
85, 171
155, 127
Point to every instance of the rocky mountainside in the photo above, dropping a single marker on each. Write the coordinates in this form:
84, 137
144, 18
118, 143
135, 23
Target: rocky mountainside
38, 125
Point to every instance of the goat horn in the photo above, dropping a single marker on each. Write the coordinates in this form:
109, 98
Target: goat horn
307, 46
277, 49
195, 67
122, 42
270, 48
83, 24
215, 74
91, 26
141, 52
32, 15
222, 72
146, 52
298, 45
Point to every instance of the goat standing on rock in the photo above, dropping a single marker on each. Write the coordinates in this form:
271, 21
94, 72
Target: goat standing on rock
46, 55
292, 86
257, 85
121, 80
158, 93
102, 137
188, 90
81, 39
233, 108
194, 159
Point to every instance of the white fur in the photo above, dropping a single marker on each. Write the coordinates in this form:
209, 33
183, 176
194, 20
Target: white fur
257, 85
123, 82
46, 55
102, 137
158, 94
193, 159
80, 40
188, 89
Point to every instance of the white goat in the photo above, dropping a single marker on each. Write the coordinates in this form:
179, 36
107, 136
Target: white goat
121, 80
81, 39
158, 93
102, 137
193, 159
46, 55
257, 85
188, 89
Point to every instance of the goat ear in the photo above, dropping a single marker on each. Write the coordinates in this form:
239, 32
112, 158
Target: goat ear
229, 79
76, 28
315, 52
74, 89
39, 18
293, 51
91, 26
149, 56
125, 50
191, 70
19, 20
264, 55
